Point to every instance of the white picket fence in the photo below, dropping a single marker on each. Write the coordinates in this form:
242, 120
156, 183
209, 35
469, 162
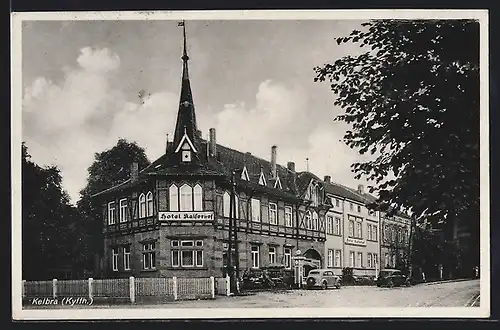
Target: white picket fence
129, 288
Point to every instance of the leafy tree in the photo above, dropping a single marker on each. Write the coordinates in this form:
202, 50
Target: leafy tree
110, 167
50, 232
412, 100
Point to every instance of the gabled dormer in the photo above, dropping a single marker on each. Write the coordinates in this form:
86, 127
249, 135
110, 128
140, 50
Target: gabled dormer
244, 174
186, 148
262, 178
277, 183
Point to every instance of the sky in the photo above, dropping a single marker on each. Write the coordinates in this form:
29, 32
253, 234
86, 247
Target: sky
252, 81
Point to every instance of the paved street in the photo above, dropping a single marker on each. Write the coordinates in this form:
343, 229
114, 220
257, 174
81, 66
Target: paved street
452, 294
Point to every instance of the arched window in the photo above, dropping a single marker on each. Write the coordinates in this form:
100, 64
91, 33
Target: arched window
198, 198
308, 220
149, 203
315, 225
142, 206
173, 198
186, 198
226, 204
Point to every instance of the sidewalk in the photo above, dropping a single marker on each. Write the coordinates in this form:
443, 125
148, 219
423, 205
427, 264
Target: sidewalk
449, 281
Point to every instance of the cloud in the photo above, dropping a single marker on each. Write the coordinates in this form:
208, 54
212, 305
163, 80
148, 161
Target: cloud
65, 123
283, 116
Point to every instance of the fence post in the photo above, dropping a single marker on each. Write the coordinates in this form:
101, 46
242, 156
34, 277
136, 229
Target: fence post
91, 287
23, 288
54, 288
228, 285
212, 286
131, 284
175, 287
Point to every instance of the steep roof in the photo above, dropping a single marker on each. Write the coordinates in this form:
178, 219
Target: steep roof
342, 191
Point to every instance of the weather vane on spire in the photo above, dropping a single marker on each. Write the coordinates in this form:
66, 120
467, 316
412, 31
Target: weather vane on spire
185, 56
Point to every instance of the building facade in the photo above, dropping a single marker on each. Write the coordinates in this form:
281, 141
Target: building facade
172, 217
352, 231
395, 244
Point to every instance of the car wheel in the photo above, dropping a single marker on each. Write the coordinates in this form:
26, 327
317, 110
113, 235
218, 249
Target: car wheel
337, 286
390, 284
324, 286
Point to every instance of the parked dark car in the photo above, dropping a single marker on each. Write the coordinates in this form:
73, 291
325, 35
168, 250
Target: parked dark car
392, 277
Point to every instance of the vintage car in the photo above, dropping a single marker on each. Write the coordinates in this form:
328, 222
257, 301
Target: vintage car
392, 277
322, 278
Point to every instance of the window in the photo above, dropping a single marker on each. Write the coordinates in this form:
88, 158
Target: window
273, 214
308, 220
387, 260
337, 261
330, 258
287, 252
351, 228
360, 259
111, 213
375, 232
375, 260
198, 198
359, 209
142, 206
272, 255
186, 152
329, 225
114, 260
226, 207
336, 230
186, 198
187, 253
149, 204
123, 210
148, 255
369, 260
351, 259
126, 257
288, 216
255, 204
315, 224
255, 257
337, 202
371, 212
393, 263
359, 229
277, 184
173, 198
351, 206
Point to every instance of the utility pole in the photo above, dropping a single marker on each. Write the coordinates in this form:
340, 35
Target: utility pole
235, 228
230, 244
410, 246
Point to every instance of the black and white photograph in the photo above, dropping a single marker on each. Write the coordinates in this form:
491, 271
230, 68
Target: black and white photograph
250, 164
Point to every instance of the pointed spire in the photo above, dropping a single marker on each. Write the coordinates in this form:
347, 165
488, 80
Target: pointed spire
185, 57
186, 117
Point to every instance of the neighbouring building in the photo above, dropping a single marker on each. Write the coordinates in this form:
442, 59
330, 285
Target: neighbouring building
172, 217
395, 244
352, 231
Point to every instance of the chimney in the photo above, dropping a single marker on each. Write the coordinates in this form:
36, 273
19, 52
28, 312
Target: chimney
198, 133
361, 189
291, 166
213, 142
273, 161
134, 171
327, 179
